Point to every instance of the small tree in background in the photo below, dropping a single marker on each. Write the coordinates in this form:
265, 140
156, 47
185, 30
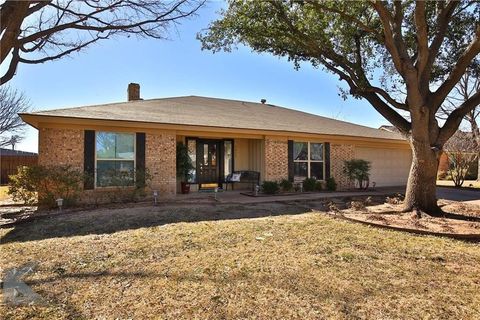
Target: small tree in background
462, 152
468, 85
358, 170
12, 102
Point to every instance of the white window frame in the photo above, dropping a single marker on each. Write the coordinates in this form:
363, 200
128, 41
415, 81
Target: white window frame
114, 159
308, 161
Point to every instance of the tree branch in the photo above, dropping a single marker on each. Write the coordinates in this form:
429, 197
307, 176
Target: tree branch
443, 18
386, 20
318, 6
422, 36
11, 67
456, 117
458, 70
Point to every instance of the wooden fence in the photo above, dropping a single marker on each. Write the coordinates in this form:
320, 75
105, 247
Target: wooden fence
10, 163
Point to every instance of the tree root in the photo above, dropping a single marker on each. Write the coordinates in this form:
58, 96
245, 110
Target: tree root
439, 213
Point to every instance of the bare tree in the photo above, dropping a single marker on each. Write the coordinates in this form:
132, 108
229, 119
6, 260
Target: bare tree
462, 151
14, 140
12, 102
468, 85
39, 31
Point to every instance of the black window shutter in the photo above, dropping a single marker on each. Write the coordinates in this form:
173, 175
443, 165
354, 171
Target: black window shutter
89, 159
140, 159
327, 160
290, 160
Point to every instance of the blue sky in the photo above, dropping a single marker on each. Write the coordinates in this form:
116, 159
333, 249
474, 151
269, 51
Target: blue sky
178, 67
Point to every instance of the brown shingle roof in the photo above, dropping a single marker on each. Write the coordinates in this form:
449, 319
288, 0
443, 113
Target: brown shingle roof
214, 112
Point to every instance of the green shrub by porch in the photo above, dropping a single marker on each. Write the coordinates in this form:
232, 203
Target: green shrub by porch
184, 163
286, 185
270, 187
309, 184
331, 184
358, 170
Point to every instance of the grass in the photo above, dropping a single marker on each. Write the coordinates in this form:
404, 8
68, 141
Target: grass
144, 262
467, 183
3, 192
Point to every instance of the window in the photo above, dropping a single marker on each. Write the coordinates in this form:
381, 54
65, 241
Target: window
115, 159
308, 160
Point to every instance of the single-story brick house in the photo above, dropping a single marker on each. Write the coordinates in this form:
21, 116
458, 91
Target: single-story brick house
221, 135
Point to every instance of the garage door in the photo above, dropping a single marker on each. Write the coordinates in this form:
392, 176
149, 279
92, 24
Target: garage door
390, 167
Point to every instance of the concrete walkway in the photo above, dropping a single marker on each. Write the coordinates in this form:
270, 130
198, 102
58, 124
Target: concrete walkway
453, 194
459, 194
235, 197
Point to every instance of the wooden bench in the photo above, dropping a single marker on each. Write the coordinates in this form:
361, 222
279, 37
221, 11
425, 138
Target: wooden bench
246, 176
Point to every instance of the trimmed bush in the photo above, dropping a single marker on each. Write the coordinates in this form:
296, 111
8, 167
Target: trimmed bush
286, 185
46, 183
331, 184
309, 184
270, 187
358, 170
319, 186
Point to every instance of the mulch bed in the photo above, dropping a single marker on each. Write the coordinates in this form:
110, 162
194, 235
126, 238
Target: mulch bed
462, 221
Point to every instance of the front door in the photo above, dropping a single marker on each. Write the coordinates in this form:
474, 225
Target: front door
208, 163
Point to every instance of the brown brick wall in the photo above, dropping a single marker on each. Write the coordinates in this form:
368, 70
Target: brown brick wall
338, 154
60, 147
65, 147
276, 158
160, 160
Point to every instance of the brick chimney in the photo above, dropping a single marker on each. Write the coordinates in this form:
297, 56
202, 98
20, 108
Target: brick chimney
133, 92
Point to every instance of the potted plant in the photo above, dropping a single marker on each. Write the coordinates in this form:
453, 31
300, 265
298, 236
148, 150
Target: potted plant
184, 167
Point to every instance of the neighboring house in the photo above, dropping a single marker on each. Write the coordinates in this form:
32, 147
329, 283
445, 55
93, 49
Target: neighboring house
10, 160
222, 136
389, 128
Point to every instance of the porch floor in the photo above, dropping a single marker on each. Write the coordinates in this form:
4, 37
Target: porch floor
237, 196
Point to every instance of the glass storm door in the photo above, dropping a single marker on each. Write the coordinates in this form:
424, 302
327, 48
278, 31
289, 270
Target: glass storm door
208, 163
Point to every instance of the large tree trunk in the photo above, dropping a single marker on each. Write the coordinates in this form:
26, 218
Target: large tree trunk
422, 181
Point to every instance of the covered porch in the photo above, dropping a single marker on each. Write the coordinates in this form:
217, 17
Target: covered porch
216, 157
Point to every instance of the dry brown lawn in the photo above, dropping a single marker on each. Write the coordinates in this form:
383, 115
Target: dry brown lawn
391, 215
144, 262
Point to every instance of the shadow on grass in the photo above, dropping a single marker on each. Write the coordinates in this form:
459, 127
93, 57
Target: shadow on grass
106, 221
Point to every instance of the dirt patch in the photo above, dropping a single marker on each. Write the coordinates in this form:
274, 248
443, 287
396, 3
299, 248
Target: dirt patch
390, 215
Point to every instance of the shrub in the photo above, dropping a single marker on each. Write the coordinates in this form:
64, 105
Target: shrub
397, 199
357, 205
331, 184
184, 163
46, 183
319, 186
286, 185
358, 170
123, 189
270, 187
309, 184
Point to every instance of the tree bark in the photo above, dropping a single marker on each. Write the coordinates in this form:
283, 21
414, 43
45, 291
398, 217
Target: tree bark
422, 180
